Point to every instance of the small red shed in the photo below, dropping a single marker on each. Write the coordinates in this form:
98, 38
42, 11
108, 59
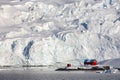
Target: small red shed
90, 62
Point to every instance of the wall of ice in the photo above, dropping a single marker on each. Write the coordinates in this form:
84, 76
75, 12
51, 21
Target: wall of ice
62, 31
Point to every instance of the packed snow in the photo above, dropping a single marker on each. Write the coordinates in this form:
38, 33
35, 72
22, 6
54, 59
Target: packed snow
48, 32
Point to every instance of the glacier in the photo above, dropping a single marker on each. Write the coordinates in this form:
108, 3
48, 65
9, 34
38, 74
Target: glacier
50, 32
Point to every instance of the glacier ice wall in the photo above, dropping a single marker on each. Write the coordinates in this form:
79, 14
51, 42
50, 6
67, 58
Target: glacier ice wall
63, 31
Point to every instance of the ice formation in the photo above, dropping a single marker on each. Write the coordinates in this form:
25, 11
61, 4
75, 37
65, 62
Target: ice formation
46, 32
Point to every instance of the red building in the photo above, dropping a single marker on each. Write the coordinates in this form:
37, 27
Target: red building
90, 62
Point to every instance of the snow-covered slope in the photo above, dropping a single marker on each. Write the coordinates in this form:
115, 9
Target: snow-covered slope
111, 62
58, 31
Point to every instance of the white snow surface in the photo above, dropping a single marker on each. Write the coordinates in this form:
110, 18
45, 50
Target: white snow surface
111, 62
47, 32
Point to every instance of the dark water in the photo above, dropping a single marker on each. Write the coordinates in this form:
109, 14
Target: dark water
55, 75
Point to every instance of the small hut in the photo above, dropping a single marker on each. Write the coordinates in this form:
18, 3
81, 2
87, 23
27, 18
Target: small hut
90, 62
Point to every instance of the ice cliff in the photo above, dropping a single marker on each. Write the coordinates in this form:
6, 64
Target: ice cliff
46, 32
